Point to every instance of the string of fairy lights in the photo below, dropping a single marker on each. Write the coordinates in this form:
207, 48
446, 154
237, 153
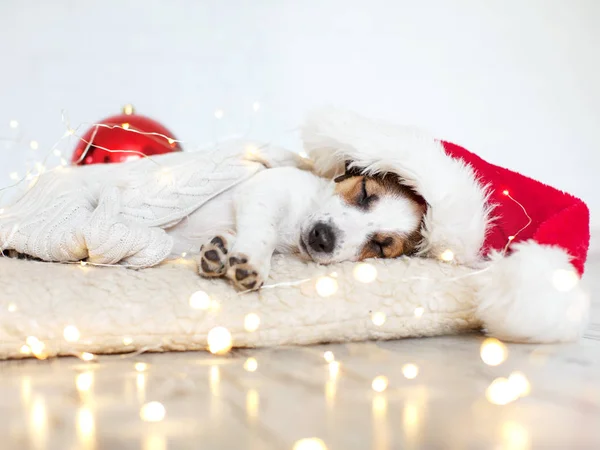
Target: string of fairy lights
493, 352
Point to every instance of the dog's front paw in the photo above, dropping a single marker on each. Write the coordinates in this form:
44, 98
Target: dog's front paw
243, 275
213, 258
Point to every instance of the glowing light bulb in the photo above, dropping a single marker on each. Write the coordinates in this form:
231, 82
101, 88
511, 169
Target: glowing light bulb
34, 145
326, 286
365, 272
378, 318
184, 254
71, 333
501, 392
493, 352
13, 124
310, 444
140, 366
505, 192
419, 311
251, 365
303, 154
511, 238
84, 381
14, 176
171, 141
25, 350
125, 126
219, 340
219, 113
519, 383
410, 371
11, 306
379, 383
329, 356
63, 162
152, 412
86, 356
56, 152
564, 280
251, 322
447, 255
256, 106
200, 300
127, 340
83, 263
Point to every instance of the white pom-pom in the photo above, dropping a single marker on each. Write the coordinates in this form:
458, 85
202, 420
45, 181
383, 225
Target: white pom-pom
522, 301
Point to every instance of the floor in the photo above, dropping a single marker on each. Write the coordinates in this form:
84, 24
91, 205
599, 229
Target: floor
437, 393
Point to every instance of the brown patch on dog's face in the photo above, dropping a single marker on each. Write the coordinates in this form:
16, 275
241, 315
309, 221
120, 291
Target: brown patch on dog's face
363, 192
367, 217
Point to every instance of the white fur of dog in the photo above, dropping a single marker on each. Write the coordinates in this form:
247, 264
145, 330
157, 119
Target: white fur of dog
290, 210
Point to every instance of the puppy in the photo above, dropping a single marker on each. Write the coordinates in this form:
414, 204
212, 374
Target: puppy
288, 210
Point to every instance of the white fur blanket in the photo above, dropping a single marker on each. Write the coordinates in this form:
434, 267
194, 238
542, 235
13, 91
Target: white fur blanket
122, 310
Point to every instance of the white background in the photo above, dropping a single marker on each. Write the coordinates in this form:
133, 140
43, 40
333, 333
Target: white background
516, 81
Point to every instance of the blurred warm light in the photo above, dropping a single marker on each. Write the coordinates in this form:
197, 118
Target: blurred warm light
410, 416
34, 145
14, 176
326, 286
214, 380
564, 280
125, 126
152, 412
13, 124
127, 340
140, 366
252, 402
365, 272
25, 350
379, 383
251, 322
519, 383
493, 352
140, 385
501, 392
329, 356
86, 356
330, 390
171, 141
334, 369
505, 192
83, 263
310, 444
85, 428
447, 255
84, 381
71, 333
37, 347
515, 436
410, 371
379, 406
38, 419
11, 306
303, 154
200, 300
378, 318
57, 152
219, 340
419, 311
251, 365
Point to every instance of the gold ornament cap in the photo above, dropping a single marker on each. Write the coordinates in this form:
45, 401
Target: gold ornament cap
128, 109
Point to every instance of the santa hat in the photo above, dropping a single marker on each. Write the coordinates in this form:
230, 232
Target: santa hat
531, 239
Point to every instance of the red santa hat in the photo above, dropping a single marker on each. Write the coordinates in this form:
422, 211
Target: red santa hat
530, 239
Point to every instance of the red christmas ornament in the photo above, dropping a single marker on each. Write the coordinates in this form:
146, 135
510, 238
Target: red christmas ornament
123, 138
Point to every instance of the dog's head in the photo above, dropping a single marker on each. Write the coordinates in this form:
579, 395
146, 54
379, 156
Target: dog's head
366, 217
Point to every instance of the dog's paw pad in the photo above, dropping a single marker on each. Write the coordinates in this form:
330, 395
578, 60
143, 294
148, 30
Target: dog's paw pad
243, 275
213, 258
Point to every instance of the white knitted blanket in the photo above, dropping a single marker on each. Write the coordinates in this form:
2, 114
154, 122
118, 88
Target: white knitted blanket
117, 213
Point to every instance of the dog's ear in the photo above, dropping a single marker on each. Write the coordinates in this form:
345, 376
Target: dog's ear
348, 172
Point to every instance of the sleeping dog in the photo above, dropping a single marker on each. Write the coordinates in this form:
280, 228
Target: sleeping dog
289, 210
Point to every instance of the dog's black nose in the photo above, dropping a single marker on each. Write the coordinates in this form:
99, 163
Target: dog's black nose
321, 238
